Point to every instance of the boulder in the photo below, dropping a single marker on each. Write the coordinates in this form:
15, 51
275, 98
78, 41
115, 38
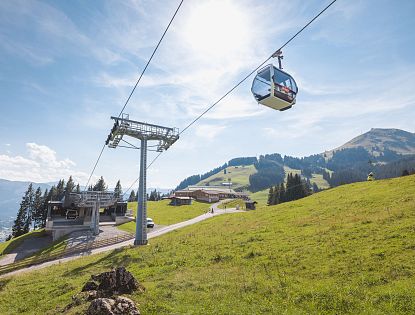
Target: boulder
101, 291
89, 286
124, 305
117, 281
118, 306
101, 306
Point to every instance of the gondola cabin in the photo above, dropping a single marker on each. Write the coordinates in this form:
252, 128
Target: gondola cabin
274, 88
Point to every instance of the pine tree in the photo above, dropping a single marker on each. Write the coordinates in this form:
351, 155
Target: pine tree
60, 189
118, 190
100, 185
24, 215
70, 185
132, 197
275, 196
315, 188
78, 189
289, 193
282, 193
37, 208
53, 194
30, 202
45, 205
20, 221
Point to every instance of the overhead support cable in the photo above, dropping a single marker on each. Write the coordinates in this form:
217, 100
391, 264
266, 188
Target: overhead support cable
95, 166
151, 57
250, 73
136, 84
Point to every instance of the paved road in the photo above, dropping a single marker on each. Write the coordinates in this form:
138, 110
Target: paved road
150, 235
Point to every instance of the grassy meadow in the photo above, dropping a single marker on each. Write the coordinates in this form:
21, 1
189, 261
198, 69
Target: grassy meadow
232, 204
239, 176
347, 250
260, 196
164, 214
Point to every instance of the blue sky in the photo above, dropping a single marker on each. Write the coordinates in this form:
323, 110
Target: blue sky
67, 66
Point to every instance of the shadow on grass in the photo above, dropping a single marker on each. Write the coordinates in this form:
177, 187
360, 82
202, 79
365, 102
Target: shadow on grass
14, 243
3, 283
112, 260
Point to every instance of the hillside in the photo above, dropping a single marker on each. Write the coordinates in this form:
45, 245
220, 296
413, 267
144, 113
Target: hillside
345, 250
378, 140
386, 152
239, 176
11, 193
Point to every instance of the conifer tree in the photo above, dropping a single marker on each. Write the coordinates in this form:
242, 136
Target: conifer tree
118, 190
45, 205
282, 193
78, 189
24, 215
276, 196
100, 185
270, 196
37, 209
60, 189
53, 194
20, 221
70, 185
132, 197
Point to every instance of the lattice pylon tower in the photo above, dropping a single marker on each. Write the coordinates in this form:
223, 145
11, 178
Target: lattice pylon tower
144, 132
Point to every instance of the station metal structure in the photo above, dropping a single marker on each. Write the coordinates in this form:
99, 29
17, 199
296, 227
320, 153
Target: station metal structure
123, 126
93, 200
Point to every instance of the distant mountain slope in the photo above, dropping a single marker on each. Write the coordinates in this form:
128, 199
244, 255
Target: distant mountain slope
11, 193
378, 140
384, 151
237, 175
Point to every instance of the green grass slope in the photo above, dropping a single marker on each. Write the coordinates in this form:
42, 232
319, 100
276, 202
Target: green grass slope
164, 214
239, 176
315, 178
348, 250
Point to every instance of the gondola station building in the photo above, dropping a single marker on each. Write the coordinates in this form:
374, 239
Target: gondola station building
208, 194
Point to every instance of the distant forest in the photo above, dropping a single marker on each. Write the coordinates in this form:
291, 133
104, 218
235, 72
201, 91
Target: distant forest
342, 167
194, 179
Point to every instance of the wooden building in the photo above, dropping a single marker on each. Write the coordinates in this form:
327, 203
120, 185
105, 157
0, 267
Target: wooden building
180, 201
210, 193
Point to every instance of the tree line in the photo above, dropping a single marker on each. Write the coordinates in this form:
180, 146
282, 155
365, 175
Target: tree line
269, 172
194, 179
153, 196
296, 188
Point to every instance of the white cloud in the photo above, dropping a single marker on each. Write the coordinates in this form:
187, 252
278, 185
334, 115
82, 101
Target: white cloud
209, 132
41, 165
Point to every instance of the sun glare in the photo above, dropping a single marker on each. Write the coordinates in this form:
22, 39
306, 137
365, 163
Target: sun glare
217, 28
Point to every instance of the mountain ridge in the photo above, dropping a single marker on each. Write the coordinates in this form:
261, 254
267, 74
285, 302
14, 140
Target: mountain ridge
370, 150
378, 139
